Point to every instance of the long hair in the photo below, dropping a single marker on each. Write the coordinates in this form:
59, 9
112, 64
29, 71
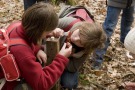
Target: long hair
92, 36
38, 19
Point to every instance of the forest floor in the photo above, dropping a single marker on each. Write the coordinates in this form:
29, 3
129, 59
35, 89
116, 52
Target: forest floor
117, 67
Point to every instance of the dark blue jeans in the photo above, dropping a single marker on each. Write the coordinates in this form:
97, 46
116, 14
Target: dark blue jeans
69, 80
28, 3
109, 25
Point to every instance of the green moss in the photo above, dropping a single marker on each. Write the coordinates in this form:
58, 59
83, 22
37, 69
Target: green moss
83, 80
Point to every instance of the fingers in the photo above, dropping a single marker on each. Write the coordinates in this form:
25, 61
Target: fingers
58, 32
41, 56
70, 47
44, 59
66, 51
68, 44
64, 46
40, 60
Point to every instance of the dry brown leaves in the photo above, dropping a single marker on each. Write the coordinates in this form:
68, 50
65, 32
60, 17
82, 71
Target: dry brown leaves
10, 10
116, 67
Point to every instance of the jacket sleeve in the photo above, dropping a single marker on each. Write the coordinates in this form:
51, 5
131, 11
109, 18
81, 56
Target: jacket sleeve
36, 48
37, 77
64, 22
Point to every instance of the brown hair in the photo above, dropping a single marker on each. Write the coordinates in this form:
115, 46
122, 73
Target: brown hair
37, 19
92, 36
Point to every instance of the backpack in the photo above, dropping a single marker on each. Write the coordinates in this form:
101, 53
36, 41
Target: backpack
79, 12
7, 60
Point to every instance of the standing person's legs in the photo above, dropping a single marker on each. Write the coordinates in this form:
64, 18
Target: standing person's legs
28, 3
126, 22
108, 26
69, 80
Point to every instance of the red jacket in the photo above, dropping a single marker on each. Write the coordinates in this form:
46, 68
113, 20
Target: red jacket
38, 77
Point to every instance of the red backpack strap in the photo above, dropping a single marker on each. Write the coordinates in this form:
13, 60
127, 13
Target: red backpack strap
17, 41
81, 15
11, 27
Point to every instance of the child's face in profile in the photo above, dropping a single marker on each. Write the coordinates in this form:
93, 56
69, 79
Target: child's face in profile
75, 38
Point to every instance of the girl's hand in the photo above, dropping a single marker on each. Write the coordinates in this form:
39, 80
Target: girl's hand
42, 57
66, 50
57, 32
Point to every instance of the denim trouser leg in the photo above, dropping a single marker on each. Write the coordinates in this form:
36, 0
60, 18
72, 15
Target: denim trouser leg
69, 80
28, 3
108, 26
126, 22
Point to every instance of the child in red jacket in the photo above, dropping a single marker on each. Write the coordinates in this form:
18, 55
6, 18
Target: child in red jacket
37, 22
